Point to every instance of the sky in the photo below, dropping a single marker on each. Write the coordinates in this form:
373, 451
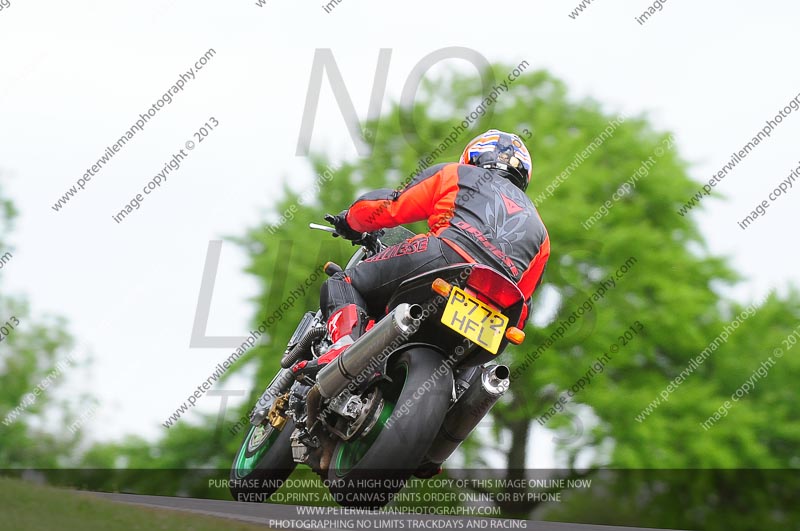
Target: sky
74, 76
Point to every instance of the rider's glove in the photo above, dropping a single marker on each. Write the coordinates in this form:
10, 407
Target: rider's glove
343, 229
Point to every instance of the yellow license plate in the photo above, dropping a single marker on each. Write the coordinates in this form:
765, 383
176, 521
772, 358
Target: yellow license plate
474, 320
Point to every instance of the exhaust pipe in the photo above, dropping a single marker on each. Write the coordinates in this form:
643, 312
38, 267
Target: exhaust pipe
486, 388
369, 351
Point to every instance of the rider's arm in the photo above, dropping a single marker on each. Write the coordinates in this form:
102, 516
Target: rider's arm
428, 195
532, 276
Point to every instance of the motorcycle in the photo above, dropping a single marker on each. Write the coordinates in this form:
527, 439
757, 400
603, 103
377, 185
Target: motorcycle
400, 400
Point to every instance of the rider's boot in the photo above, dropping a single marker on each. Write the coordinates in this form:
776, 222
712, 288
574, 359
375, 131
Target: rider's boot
345, 325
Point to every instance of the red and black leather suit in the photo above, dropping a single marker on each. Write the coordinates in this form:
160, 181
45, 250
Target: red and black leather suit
474, 215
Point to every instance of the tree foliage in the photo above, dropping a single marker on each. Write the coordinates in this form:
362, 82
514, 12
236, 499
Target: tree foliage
33, 365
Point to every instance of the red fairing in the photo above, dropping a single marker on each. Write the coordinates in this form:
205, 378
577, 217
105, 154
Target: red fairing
342, 322
523, 318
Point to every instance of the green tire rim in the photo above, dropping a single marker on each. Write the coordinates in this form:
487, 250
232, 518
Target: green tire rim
350, 453
246, 461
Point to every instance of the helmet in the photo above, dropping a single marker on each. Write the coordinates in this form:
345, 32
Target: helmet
502, 151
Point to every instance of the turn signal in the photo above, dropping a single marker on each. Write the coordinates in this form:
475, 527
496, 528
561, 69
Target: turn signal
515, 335
332, 268
442, 287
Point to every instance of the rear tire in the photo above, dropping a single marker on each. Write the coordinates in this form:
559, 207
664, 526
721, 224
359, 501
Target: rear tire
367, 472
262, 464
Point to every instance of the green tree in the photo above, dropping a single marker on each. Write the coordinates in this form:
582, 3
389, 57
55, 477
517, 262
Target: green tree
672, 286
33, 364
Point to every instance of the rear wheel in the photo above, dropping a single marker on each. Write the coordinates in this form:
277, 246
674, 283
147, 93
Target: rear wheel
263, 463
368, 471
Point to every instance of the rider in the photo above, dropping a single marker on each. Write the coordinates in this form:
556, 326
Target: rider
477, 212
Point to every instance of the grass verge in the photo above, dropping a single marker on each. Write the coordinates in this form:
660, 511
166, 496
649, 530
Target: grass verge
28, 507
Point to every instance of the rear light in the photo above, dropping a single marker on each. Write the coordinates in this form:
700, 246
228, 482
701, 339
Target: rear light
515, 335
442, 287
491, 285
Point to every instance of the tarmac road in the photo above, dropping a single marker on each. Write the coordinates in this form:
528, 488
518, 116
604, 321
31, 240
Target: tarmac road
289, 516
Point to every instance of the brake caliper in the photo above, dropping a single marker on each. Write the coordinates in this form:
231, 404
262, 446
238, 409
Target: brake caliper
277, 413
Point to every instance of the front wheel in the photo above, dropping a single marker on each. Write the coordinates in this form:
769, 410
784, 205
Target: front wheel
263, 463
368, 471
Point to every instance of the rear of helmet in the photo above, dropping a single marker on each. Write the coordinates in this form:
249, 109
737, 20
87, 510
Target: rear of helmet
501, 151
